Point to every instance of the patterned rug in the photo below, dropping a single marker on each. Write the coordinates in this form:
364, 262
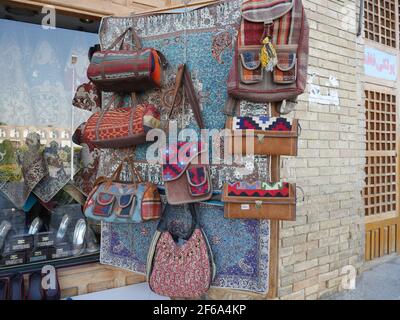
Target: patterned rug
203, 38
240, 247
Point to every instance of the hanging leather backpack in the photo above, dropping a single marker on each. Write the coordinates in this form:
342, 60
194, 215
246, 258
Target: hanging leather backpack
271, 53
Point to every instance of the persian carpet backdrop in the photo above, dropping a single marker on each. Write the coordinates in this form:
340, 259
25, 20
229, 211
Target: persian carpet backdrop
203, 38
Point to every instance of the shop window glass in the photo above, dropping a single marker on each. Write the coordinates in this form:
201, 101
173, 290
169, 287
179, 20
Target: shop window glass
39, 220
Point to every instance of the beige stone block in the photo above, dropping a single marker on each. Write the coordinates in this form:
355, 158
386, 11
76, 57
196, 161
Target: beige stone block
329, 275
305, 283
305, 265
295, 296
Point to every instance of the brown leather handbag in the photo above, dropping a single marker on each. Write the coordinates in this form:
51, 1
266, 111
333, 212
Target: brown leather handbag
186, 180
262, 135
273, 201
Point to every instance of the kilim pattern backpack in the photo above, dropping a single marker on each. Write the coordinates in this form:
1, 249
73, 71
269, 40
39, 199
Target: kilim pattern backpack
271, 53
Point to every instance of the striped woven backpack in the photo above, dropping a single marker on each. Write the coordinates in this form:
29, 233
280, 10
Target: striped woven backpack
271, 53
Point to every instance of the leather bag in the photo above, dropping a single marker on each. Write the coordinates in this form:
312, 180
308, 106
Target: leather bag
273, 201
186, 179
262, 135
120, 127
180, 271
127, 70
285, 24
112, 200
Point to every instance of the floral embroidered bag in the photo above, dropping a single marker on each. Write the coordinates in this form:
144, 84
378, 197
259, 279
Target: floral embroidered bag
180, 266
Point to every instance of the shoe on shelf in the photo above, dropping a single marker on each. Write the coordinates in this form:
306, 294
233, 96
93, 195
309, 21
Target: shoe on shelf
78, 242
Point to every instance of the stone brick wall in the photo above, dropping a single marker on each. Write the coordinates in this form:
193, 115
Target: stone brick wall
328, 233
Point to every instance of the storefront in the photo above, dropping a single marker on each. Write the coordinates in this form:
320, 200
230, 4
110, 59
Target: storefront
347, 144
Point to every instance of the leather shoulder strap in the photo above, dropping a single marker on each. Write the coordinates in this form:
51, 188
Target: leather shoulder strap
193, 99
183, 78
135, 39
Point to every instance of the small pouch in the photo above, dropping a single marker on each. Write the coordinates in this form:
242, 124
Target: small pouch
285, 71
126, 205
104, 204
199, 181
251, 70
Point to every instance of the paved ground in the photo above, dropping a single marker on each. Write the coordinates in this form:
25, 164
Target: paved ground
382, 282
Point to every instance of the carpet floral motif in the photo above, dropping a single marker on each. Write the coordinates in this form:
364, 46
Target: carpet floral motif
240, 247
203, 38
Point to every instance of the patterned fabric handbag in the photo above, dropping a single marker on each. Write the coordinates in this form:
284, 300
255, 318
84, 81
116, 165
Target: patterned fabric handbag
87, 97
123, 202
121, 127
262, 135
260, 200
186, 180
180, 266
271, 54
127, 70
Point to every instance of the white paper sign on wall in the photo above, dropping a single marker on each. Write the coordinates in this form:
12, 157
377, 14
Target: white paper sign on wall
379, 64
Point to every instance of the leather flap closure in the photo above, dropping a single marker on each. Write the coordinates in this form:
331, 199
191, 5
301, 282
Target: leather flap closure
197, 176
265, 11
105, 199
262, 123
286, 61
250, 60
125, 200
177, 158
261, 193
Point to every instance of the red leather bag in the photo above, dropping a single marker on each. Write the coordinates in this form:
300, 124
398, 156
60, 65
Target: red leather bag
121, 127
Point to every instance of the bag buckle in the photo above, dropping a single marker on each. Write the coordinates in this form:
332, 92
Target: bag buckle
260, 138
259, 204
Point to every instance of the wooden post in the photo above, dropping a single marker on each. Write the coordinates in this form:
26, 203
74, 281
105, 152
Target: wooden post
274, 228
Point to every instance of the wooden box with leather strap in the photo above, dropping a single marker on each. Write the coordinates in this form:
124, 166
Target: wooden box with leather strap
277, 201
262, 135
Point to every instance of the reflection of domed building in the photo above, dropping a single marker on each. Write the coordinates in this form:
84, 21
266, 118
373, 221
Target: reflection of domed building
17, 135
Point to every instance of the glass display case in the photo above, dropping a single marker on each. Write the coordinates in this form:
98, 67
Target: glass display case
41, 171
